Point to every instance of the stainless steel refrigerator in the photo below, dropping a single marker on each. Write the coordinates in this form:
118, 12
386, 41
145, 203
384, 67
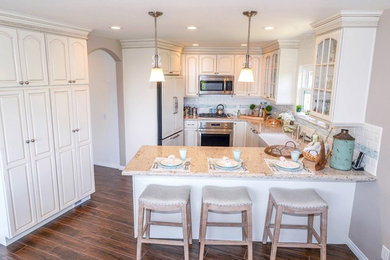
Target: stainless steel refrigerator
170, 111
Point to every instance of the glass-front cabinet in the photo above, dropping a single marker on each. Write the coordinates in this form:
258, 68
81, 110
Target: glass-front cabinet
270, 74
324, 76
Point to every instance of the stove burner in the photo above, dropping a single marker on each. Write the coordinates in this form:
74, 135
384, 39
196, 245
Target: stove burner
212, 115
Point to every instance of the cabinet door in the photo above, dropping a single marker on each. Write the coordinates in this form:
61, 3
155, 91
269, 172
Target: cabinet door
190, 137
274, 74
168, 104
82, 119
10, 74
207, 64
16, 163
254, 87
42, 152
266, 76
164, 60
175, 63
78, 57
63, 127
58, 59
239, 134
225, 64
33, 58
239, 87
191, 75
179, 94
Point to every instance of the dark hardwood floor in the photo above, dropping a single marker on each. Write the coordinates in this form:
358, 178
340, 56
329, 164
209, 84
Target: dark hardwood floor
102, 228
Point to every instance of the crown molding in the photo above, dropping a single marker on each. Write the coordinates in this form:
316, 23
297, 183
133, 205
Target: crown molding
149, 43
221, 50
347, 19
281, 44
38, 24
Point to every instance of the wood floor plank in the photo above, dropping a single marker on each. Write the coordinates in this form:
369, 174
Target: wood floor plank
102, 228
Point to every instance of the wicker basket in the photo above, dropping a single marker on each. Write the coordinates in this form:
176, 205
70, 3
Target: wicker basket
310, 157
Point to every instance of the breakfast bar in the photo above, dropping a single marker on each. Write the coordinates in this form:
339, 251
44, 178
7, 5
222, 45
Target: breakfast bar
334, 186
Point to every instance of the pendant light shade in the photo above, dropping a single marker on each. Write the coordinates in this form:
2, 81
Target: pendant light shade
157, 73
246, 74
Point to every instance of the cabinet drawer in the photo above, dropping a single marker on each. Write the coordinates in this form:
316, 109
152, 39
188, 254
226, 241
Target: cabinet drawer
190, 124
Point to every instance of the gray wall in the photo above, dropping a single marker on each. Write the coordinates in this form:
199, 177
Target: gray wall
370, 224
113, 47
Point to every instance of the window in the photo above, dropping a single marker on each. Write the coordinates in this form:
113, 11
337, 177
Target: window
304, 86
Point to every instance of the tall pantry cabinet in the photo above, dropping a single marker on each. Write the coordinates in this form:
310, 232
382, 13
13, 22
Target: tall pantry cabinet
46, 163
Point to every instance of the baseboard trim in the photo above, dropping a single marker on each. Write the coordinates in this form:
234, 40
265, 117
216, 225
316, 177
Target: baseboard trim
109, 165
356, 250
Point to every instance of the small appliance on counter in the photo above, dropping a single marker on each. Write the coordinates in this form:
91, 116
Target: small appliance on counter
342, 151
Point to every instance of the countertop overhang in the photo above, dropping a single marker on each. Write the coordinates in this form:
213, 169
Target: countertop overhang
253, 157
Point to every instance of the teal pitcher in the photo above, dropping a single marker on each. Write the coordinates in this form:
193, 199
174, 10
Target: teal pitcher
342, 151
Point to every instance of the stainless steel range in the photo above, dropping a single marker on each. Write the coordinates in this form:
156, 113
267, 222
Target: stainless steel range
215, 133
212, 115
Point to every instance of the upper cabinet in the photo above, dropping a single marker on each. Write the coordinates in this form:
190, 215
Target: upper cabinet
22, 58
342, 66
170, 62
216, 64
244, 88
191, 74
279, 72
67, 60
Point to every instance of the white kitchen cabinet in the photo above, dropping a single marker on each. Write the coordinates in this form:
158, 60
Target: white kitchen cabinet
67, 60
10, 73
72, 135
191, 75
279, 72
33, 57
190, 133
216, 64
247, 89
170, 62
239, 134
252, 138
42, 154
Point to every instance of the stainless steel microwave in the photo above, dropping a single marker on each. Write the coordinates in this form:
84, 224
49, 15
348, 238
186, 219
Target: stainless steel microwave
216, 85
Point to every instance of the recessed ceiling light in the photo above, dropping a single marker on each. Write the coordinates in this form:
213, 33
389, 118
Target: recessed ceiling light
243, 44
269, 28
195, 44
192, 27
115, 27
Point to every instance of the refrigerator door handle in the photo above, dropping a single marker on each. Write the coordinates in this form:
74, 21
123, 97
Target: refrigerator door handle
175, 105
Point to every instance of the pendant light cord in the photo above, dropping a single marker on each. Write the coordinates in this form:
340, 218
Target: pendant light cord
247, 45
155, 43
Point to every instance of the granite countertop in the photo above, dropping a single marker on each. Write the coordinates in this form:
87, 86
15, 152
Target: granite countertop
252, 156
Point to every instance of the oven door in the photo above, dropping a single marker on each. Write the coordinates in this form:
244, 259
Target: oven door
210, 137
211, 86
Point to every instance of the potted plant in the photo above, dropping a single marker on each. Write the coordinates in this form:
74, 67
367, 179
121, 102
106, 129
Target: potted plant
252, 107
299, 108
268, 109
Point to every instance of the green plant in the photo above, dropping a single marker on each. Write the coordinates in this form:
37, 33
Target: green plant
268, 108
307, 113
299, 108
252, 106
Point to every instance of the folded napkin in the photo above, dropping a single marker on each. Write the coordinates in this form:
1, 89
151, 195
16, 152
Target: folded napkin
215, 169
315, 148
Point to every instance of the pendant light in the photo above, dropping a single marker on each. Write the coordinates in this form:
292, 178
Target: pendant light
157, 74
246, 74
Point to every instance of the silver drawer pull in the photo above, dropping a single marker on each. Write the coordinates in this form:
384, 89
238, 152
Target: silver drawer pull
26, 82
27, 141
21, 83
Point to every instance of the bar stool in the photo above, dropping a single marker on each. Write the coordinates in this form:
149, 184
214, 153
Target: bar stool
296, 202
164, 199
226, 200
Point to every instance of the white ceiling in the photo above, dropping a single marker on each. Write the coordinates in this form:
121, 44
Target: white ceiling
220, 22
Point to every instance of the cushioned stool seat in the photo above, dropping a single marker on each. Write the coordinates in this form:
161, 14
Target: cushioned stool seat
226, 196
165, 195
302, 198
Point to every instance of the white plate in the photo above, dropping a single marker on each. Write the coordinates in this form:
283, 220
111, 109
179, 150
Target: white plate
171, 162
227, 163
288, 165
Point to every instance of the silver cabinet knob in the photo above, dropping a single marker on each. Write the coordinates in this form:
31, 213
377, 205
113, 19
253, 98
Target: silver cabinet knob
27, 141
170, 72
69, 81
73, 81
74, 130
26, 82
32, 140
21, 82
77, 130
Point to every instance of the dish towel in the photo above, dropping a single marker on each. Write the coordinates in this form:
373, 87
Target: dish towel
157, 167
275, 170
213, 169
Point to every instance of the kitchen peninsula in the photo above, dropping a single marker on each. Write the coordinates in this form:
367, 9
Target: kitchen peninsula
336, 187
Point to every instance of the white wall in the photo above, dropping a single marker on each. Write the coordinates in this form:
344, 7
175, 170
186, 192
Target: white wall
104, 108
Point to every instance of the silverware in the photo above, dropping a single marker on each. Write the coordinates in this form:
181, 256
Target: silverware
155, 165
187, 165
244, 166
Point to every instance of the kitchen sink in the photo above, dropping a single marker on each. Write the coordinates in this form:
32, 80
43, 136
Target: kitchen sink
276, 138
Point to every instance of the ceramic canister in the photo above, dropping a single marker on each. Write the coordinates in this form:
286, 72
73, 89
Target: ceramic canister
342, 151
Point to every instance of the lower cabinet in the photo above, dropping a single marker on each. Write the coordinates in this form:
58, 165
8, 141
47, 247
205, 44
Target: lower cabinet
190, 133
239, 134
252, 137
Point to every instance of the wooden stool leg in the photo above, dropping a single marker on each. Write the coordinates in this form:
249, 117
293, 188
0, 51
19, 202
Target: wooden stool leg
249, 231
189, 221
310, 219
244, 221
203, 226
185, 232
267, 220
275, 240
324, 225
140, 229
148, 217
